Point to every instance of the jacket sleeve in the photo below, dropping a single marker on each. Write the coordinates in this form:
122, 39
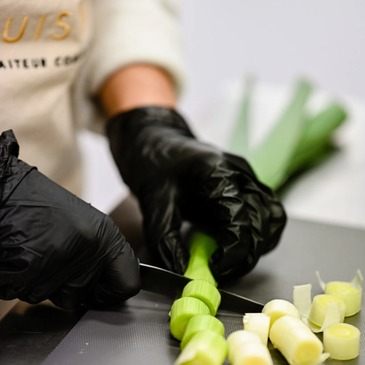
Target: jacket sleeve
130, 31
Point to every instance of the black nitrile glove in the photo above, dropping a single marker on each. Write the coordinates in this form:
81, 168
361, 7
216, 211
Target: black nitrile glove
54, 245
178, 178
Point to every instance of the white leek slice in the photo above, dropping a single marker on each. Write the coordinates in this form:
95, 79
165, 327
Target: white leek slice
297, 343
357, 280
332, 316
258, 323
342, 341
302, 299
204, 348
325, 306
245, 347
349, 292
277, 308
320, 313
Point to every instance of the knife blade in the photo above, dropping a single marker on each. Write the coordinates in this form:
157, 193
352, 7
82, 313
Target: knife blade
158, 280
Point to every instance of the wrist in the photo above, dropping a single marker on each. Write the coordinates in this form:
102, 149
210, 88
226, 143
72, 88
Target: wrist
135, 86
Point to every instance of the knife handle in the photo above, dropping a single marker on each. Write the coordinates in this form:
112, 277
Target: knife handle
201, 249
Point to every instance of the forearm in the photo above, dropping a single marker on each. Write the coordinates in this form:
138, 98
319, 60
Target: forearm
137, 85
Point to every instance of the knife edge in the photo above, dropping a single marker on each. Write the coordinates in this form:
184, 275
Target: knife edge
158, 280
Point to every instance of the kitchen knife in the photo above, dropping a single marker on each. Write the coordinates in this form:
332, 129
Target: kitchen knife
157, 280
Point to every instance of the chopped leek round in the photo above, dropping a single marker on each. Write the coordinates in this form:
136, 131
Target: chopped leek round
181, 311
349, 292
245, 347
258, 323
251, 353
204, 291
350, 295
199, 323
204, 348
277, 308
320, 307
342, 341
296, 342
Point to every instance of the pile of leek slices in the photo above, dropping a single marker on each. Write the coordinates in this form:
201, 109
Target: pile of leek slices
291, 327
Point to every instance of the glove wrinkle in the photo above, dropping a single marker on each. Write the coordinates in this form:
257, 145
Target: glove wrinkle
178, 179
163, 228
54, 245
12, 171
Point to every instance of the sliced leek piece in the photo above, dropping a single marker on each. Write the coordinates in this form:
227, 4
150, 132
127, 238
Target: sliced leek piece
204, 348
258, 323
357, 280
296, 342
181, 311
320, 307
302, 299
277, 308
324, 313
238, 337
204, 291
199, 323
342, 341
245, 348
332, 316
349, 292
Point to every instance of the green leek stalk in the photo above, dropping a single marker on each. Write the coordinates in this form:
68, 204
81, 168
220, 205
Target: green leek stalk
239, 140
270, 160
202, 322
201, 248
316, 139
204, 348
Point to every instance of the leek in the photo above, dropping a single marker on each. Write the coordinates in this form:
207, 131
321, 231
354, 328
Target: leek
349, 292
320, 305
181, 311
296, 342
204, 348
258, 323
270, 160
239, 140
204, 291
295, 141
201, 248
245, 347
202, 322
277, 308
342, 341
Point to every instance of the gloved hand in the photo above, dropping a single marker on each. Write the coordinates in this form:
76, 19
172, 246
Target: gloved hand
178, 178
54, 245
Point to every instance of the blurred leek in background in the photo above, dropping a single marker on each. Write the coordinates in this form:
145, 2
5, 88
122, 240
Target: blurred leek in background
296, 141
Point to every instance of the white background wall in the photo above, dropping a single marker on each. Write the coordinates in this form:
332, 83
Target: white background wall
277, 40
